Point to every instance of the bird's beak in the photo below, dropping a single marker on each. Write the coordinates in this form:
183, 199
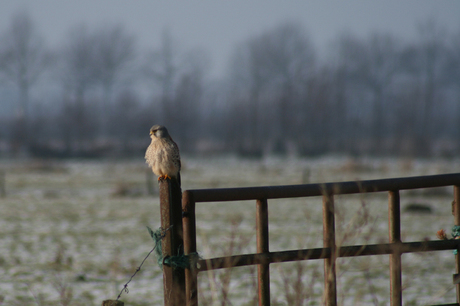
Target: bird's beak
151, 132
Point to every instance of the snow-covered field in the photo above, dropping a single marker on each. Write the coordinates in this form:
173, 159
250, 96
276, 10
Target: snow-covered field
73, 232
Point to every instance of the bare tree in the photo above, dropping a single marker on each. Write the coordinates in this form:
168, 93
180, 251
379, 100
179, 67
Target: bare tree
383, 66
127, 120
371, 66
338, 67
246, 84
114, 51
452, 77
273, 69
292, 67
163, 67
23, 59
427, 59
276, 96
189, 93
179, 79
78, 74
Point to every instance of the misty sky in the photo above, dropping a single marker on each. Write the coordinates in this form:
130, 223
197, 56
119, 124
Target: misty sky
217, 25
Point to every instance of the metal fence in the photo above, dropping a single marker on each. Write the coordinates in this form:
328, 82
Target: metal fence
181, 286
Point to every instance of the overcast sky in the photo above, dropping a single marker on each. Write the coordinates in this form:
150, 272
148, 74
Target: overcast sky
217, 25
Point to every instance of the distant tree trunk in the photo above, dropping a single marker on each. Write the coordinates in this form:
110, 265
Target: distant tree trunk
430, 57
378, 129
106, 111
23, 59
252, 143
21, 134
339, 124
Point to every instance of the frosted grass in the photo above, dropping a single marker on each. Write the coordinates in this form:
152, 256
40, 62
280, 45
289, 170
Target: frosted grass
68, 238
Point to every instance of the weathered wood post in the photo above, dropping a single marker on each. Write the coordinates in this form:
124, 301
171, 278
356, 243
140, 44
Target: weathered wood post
394, 230
456, 213
172, 243
330, 277
189, 225
263, 270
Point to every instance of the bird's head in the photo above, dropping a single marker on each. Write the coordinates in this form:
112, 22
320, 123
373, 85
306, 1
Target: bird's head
158, 131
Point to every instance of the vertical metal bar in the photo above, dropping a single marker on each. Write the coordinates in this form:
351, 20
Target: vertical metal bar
394, 229
456, 212
263, 270
330, 279
171, 217
189, 225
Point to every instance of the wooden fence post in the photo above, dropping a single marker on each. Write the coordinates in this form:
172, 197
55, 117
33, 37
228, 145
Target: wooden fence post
263, 271
172, 243
189, 224
394, 226
330, 278
456, 213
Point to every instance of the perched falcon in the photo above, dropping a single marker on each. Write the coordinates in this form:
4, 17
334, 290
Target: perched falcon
162, 155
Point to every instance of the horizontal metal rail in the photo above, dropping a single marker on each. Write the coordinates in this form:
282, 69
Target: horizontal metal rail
323, 253
336, 188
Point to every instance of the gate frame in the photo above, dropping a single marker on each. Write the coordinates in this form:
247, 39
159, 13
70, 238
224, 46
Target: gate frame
330, 252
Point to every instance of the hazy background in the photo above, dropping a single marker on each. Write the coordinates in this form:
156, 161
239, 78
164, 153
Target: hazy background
89, 78
338, 84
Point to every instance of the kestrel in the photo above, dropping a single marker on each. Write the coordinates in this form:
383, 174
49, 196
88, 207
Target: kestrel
162, 155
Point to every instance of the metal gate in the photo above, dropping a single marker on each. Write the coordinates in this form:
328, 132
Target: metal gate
181, 288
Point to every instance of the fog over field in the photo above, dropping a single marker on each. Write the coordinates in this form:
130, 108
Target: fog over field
305, 78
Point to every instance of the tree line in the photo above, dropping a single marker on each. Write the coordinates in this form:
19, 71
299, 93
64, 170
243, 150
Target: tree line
99, 93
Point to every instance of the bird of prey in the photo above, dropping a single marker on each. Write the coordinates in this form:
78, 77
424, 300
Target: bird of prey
162, 155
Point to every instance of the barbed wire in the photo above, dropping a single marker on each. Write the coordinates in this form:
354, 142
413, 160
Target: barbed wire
125, 287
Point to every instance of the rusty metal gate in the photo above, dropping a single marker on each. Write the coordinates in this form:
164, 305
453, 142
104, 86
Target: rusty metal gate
181, 288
